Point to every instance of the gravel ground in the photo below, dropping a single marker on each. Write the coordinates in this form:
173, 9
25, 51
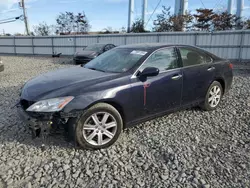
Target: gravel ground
190, 148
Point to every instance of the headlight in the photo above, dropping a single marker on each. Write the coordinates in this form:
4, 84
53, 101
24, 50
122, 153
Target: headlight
50, 105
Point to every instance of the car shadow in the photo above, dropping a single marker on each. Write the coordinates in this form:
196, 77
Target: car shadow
62, 60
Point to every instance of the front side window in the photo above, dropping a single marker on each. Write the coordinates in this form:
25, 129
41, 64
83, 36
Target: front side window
192, 57
164, 59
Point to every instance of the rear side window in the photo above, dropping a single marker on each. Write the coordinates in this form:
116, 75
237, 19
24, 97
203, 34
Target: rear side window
192, 57
108, 47
164, 59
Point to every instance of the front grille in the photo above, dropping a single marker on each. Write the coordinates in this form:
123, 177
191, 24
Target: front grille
26, 104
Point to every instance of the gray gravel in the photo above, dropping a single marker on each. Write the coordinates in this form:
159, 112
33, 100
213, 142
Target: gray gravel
190, 148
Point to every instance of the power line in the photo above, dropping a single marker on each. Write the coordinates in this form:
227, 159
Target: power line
153, 12
218, 4
202, 3
8, 20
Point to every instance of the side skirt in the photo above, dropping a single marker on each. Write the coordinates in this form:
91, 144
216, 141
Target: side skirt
159, 114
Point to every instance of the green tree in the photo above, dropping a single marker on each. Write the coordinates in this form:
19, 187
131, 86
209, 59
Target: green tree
138, 27
247, 24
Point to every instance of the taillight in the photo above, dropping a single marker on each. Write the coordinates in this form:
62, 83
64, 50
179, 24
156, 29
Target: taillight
230, 65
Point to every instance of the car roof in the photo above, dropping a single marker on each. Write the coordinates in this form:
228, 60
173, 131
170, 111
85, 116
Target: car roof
150, 46
99, 44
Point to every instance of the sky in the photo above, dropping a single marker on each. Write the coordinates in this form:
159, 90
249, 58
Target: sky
100, 13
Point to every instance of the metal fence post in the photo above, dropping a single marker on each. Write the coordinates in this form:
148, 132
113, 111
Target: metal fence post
14, 41
33, 48
158, 37
52, 43
125, 39
242, 34
74, 43
195, 39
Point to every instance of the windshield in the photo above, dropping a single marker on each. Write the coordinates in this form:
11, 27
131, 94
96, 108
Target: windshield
95, 47
117, 60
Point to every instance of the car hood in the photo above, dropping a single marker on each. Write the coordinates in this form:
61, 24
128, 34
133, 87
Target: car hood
86, 53
62, 82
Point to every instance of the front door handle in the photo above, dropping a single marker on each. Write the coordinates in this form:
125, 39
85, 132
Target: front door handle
210, 69
176, 77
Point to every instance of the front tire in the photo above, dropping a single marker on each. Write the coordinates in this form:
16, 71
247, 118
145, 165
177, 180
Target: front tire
213, 96
99, 127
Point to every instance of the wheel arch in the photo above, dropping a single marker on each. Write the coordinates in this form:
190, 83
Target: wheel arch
115, 104
222, 82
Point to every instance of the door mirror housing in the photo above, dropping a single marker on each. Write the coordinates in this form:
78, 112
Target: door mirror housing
149, 71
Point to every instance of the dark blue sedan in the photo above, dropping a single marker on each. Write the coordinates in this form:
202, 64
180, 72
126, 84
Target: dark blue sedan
123, 87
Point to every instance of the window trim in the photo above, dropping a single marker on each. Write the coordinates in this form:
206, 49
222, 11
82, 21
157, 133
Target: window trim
177, 58
196, 50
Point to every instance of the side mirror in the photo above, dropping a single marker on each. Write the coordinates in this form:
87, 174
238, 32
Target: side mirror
149, 71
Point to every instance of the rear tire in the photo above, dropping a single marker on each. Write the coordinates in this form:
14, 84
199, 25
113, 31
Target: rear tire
97, 128
213, 96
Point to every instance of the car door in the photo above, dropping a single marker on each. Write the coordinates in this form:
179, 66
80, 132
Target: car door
161, 92
198, 73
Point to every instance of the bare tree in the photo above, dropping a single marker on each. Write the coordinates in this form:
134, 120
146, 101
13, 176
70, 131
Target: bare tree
162, 22
42, 29
168, 22
204, 19
68, 22
224, 21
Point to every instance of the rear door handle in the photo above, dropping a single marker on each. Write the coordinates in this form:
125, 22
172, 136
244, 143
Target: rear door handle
210, 69
176, 77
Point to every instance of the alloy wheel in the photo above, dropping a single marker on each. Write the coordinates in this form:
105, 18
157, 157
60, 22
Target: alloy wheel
99, 128
214, 96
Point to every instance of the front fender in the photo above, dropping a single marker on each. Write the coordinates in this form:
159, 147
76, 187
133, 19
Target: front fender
119, 95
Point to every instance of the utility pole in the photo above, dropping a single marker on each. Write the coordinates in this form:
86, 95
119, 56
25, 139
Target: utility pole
240, 6
130, 14
22, 5
144, 7
230, 6
181, 7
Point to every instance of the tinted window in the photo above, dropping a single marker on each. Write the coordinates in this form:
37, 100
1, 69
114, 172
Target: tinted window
94, 47
108, 47
116, 60
164, 59
192, 57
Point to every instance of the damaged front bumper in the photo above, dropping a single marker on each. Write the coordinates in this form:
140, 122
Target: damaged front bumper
42, 124
38, 126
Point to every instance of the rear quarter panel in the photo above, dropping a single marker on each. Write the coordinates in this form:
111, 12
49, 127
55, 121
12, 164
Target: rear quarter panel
224, 72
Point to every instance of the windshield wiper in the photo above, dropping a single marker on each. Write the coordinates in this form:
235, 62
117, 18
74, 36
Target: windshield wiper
96, 69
